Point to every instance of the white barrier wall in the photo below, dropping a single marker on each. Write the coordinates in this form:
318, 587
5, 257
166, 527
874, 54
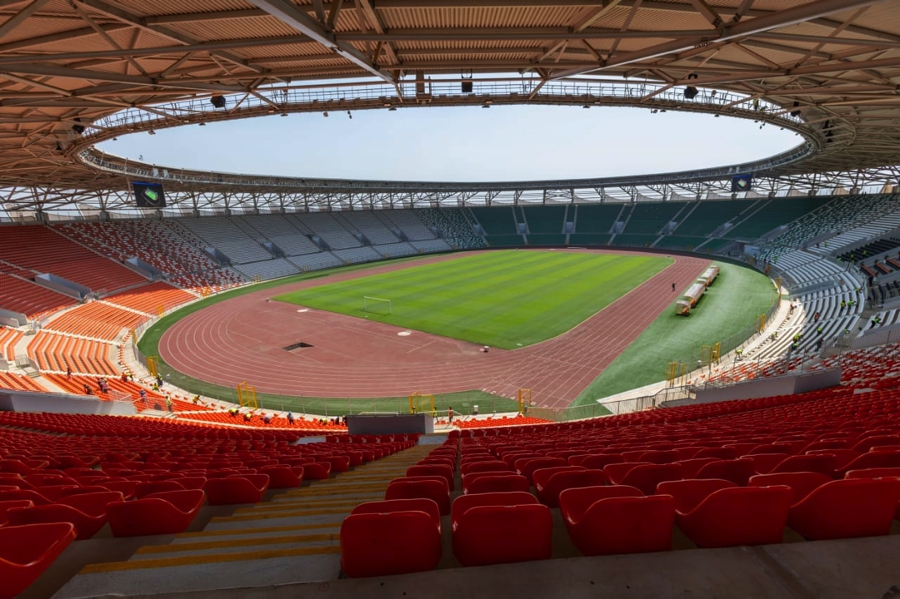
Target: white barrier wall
769, 387
60, 403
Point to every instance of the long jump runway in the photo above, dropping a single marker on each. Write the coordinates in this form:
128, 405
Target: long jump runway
243, 339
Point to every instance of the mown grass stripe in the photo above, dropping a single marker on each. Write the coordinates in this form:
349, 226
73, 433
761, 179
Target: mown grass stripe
505, 299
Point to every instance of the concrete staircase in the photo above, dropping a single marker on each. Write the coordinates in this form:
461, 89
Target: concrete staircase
291, 536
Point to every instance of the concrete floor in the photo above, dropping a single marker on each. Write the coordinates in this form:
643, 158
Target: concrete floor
847, 569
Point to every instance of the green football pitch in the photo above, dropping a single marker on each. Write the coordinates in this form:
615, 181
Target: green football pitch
505, 299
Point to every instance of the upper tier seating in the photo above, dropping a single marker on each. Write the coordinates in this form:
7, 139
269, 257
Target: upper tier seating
357, 255
454, 227
268, 269
8, 340
544, 219
149, 240
329, 229
226, 236
316, 261
59, 352
407, 221
709, 215
97, 320
593, 218
851, 217
149, 298
496, 220
282, 231
9, 380
772, 214
367, 223
649, 218
30, 299
43, 250
396, 250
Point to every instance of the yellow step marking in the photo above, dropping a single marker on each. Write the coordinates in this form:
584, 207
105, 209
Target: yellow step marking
250, 531
195, 560
203, 545
271, 515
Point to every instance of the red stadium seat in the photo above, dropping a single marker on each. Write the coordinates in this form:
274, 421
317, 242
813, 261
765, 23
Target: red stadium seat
32, 496
737, 471
601, 461
738, 516
163, 513
647, 476
339, 463
823, 464
575, 502
401, 505
125, 487
86, 526
466, 502
549, 492
236, 489
801, 483
873, 459
491, 466
5, 506
283, 477
92, 504
617, 472
849, 508
317, 471
445, 472
690, 468
26, 551
690, 493
720, 453
763, 463
624, 525
411, 488
890, 472
527, 467
487, 534
159, 486
659, 456
386, 544
498, 483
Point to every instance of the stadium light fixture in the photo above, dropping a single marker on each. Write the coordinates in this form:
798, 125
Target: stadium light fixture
325, 114
151, 132
392, 109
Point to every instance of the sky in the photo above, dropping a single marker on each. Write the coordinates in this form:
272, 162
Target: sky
502, 143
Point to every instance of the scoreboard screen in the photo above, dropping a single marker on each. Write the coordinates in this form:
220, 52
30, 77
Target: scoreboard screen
149, 195
741, 183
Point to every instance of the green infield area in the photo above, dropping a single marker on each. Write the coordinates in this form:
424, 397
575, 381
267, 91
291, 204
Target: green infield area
727, 314
505, 299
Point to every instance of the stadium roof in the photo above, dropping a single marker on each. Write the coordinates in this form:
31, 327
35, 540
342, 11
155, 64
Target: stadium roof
76, 72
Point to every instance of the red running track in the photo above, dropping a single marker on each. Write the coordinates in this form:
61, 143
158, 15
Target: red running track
241, 339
